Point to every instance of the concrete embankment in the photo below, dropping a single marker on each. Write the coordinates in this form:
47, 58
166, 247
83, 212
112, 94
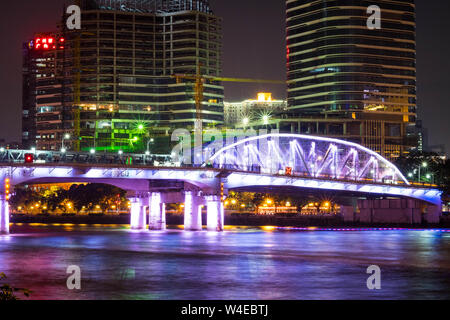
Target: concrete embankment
233, 220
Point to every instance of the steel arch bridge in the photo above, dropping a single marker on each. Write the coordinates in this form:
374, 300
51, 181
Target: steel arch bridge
279, 161
307, 156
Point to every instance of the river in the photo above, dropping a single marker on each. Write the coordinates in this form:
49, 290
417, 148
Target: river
240, 263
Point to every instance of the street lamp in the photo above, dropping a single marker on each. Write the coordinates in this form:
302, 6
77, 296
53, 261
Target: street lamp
424, 164
147, 153
92, 151
63, 150
245, 121
148, 146
66, 136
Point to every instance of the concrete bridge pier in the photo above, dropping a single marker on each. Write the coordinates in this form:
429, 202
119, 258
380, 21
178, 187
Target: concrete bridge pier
4, 215
407, 211
215, 213
433, 214
192, 211
138, 216
348, 213
157, 212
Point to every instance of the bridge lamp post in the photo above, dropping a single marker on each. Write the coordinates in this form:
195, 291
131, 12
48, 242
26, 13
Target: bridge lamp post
245, 121
65, 137
148, 146
147, 152
92, 151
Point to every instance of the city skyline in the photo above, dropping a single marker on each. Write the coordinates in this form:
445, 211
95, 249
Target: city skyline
256, 52
195, 153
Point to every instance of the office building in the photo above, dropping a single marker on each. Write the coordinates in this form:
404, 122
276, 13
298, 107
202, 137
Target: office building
348, 81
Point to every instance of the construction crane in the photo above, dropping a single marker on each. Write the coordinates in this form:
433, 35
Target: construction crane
200, 80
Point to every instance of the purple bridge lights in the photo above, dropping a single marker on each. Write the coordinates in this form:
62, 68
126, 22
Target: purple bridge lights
307, 156
280, 162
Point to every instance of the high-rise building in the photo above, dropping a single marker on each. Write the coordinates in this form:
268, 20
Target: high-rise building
43, 86
115, 75
348, 80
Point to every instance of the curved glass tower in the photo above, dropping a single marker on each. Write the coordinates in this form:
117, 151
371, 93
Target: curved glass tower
340, 69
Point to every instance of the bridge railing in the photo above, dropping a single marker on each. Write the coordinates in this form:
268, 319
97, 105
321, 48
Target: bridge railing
42, 156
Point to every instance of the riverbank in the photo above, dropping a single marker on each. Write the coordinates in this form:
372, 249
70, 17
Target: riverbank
234, 220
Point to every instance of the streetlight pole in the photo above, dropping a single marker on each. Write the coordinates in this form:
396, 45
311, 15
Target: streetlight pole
424, 164
66, 136
147, 153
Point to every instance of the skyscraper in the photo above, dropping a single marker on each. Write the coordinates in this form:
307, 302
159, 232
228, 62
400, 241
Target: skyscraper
353, 82
116, 74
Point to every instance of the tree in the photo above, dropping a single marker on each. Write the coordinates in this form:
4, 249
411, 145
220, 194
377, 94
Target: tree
438, 167
7, 292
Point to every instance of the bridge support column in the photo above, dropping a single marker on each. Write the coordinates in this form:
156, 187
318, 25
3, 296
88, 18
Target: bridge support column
348, 213
4, 215
157, 212
215, 216
433, 214
137, 219
406, 211
192, 212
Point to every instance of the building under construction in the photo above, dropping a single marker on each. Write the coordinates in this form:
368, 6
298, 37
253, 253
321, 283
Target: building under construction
110, 86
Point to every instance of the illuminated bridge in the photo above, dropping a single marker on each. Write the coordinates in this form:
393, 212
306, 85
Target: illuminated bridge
269, 163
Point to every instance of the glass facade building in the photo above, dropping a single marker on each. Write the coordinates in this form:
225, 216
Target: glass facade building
339, 69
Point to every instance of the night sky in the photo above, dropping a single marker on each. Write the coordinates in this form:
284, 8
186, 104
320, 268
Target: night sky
254, 47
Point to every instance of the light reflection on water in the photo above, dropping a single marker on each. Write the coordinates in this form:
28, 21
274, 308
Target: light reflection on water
240, 263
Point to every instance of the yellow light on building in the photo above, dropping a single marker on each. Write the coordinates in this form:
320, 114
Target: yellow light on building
269, 201
288, 204
242, 205
233, 201
264, 97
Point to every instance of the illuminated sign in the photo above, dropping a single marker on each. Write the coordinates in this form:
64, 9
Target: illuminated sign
47, 43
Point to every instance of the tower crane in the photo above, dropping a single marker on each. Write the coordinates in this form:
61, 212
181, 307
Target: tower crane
200, 81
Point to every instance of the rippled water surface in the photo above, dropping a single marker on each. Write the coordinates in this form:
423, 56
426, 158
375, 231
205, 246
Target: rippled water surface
241, 263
